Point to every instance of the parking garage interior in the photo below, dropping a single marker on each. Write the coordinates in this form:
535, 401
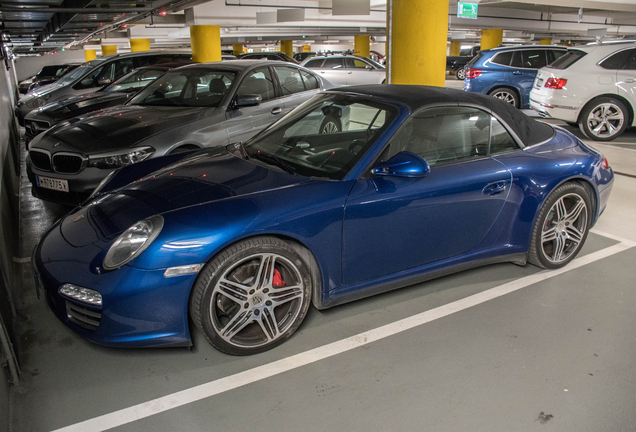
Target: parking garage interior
497, 348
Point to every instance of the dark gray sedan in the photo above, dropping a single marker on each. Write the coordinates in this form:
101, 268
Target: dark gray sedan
188, 108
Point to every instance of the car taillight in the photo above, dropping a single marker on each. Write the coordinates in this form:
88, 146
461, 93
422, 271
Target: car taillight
555, 83
473, 73
605, 163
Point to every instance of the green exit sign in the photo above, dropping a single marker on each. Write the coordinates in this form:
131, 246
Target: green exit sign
467, 10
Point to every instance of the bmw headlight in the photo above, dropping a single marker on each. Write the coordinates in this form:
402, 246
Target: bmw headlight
120, 159
133, 242
39, 101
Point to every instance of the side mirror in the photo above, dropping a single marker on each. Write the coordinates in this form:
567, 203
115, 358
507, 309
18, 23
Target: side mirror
403, 164
369, 67
104, 82
248, 100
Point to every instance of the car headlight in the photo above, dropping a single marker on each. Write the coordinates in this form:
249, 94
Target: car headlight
39, 101
120, 159
133, 242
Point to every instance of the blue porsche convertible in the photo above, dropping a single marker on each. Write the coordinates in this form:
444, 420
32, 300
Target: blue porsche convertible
358, 191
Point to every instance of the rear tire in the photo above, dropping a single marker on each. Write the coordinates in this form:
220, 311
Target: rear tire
507, 95
329, 125
604, 119
460, 74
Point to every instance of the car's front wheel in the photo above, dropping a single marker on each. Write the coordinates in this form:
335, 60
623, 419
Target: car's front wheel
505, 94
460, 74
604, 119
252, 296
561, 227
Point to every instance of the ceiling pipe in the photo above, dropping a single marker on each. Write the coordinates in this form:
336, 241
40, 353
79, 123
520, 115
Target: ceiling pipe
91, 10
287, 6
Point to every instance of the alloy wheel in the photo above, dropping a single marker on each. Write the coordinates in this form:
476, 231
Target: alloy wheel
605, 120
564, 228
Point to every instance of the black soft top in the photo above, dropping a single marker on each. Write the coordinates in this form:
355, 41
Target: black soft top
415, 97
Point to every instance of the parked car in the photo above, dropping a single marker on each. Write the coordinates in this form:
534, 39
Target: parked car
456, 64
47, 75
269, 55
93, 75
422, 182
593, 86
302, 56
188, 108
508, 73
41, 119
347, 69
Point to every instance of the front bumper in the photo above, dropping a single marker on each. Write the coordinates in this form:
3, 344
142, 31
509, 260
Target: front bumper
140, 308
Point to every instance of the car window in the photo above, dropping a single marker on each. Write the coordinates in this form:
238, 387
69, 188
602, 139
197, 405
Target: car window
533, 59
554, 55
316, 63
77, 73
259, 82
631, 61
500, 140
90, 80
475, 59
445, 135
290, 80
135, 80
617, 60
503, 58
310, 81
332, 63
117, 69
568, 59
354, 63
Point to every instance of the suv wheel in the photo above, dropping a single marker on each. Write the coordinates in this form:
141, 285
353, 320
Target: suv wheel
604, 119
505, 94
461, 73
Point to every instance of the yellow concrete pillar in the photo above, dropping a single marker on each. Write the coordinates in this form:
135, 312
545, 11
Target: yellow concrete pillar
109, 49
237, 49
418, 44
287, 47
306, 48
361, 45
546, 42
491, 38
90, 54
206, 43
137, 45
455, 48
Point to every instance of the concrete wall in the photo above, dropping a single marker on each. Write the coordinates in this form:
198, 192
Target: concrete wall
26, 67
9, 188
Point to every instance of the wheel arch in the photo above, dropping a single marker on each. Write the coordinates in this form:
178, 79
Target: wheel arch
624, 101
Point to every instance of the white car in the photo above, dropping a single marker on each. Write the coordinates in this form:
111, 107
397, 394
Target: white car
344, 70
593, 86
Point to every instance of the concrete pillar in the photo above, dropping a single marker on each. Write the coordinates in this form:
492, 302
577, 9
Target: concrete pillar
90, 54
237, 49
137, 45
491, 38
206, 43
109, 49
455, 48
417, 41
361, 45
306, 48
546, 42
287, 47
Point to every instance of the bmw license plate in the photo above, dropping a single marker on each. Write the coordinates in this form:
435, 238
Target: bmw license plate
51, 183
538, 83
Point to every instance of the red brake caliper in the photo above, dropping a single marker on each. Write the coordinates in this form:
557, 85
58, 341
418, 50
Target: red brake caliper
277, 281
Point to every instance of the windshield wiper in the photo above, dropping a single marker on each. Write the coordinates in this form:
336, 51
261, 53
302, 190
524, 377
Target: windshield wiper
238, 146
276, 161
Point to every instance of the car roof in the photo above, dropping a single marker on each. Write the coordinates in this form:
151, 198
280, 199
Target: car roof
239, 65
605, 47
416, 97
522, 47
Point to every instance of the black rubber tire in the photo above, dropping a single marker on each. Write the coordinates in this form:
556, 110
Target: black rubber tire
328, 122
460, 74
184, 148
512, 99
536, 253
201, 296
594, 104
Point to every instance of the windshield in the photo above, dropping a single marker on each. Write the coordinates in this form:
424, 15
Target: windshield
191, 87
135, 80
324, 138
567, 59
78, 73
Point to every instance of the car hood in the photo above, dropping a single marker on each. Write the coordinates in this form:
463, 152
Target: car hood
116, 128
200, 178
61, 108
41, 91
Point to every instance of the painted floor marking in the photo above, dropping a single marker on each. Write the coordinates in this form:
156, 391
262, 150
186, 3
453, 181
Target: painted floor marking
184, 397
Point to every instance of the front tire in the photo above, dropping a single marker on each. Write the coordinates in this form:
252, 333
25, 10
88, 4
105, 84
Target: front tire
604, 119
507, 95
252, 296
561, 227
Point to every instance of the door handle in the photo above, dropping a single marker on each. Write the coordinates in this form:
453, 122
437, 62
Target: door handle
277, 110
516, 73
630, 80
495, 188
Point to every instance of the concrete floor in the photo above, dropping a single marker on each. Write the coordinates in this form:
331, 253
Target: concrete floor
500, 348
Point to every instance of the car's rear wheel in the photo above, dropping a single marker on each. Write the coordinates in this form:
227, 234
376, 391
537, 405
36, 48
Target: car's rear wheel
505, 94
460, 74
604, 119
252, 296
330, 124
561, 227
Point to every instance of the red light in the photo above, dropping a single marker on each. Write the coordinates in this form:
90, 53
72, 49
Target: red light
473, 73
163, 13
555, 83
605, 163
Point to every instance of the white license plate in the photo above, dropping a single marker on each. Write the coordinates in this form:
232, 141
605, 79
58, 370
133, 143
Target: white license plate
51, 183
538, 83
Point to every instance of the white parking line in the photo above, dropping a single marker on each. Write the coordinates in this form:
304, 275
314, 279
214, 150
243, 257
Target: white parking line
184, 397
